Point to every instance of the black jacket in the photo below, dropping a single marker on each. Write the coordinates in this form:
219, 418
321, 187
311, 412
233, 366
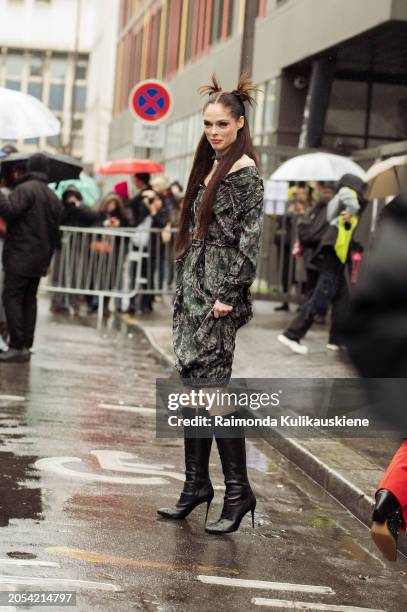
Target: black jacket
136, 210
79, 216
33, 214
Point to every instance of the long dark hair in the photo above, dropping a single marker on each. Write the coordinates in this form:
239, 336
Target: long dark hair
203, 160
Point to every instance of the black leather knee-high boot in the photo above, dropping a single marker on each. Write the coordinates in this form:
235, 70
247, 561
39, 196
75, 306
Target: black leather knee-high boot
197, 486
239, 497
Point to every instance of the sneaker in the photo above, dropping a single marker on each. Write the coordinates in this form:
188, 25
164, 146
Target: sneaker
294, 345
15, 356
3, 345
282, 308
335, 347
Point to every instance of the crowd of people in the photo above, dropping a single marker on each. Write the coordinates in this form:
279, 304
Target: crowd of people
30, 217
315, 246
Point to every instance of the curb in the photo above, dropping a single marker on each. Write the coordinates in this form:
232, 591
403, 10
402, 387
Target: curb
163, 357
343, 490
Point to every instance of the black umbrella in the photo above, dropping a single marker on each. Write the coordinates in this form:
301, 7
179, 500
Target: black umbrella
61, 167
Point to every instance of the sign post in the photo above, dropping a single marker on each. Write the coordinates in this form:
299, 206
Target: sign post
150, 103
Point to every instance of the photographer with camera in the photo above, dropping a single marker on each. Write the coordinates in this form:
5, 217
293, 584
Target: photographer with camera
153, 215
330, 247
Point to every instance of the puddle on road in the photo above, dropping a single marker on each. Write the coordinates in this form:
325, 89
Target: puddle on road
18, 501
21, 555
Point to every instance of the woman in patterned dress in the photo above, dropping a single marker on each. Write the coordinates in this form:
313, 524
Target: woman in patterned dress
218, 243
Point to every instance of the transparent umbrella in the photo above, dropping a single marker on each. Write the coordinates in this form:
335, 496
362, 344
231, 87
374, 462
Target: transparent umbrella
23, 116
317, 167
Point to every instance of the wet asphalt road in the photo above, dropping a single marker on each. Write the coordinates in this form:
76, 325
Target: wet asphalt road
83, 473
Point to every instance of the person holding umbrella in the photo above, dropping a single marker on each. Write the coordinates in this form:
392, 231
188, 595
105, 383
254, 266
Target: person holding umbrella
329, 237
33, 214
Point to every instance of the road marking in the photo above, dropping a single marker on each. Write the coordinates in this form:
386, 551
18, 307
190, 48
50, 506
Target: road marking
56, 465
95, 557
116, 461
264, 584
32, 562
304, 605
57, 583
126, 408
12, 398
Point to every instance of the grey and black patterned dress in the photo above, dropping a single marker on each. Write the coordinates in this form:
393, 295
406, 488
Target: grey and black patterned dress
222, 267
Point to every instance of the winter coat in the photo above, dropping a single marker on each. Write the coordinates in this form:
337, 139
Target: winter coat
320, 232
222, 266
33, 214
80, 216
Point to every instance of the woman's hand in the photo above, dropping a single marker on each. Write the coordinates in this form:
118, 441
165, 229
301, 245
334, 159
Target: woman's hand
221, 310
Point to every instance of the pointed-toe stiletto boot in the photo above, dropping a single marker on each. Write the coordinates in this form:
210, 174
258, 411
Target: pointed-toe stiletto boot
197, 486
239, 498
387, 521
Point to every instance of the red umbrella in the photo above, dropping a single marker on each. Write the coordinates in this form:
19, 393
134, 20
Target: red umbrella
130, 165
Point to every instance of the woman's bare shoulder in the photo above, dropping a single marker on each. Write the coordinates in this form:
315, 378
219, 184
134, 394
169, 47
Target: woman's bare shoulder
244, 162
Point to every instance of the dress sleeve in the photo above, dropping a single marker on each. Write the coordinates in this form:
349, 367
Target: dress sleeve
248, 194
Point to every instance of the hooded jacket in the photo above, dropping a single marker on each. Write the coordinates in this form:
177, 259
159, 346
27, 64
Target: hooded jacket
33, 214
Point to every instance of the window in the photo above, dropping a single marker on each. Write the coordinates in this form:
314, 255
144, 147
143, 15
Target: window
270, 106
81, 68
15, 85
80, 98
58, 66
347, 108
217, 17
56, 96
54, 141
258, 126
35, 89
188, 48
14, 63
389, 111
36, 64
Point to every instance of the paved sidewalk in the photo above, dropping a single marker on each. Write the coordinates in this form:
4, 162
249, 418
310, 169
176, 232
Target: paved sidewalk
349, 469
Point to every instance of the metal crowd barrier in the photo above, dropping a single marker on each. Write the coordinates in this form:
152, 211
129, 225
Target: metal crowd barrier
281, 276
120, 264
112, 264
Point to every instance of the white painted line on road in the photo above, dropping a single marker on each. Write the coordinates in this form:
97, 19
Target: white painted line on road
126, 408
12, 398
264, 584
116, 461
56, 465
31, 562
57, 583
305, 605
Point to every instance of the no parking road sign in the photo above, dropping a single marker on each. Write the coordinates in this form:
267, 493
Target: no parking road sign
150, 101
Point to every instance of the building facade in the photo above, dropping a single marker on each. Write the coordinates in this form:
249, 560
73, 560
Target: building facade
56, 50
332, 73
